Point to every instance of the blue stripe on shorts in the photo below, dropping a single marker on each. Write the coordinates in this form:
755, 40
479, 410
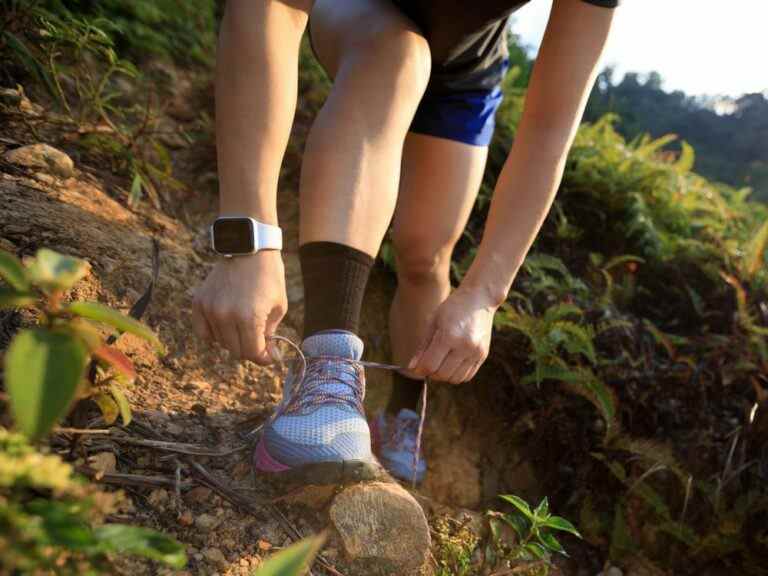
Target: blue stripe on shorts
467, 117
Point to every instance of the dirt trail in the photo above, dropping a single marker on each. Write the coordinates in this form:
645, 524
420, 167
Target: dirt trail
195, 393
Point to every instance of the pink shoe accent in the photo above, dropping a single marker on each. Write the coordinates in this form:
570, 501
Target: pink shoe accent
264, 462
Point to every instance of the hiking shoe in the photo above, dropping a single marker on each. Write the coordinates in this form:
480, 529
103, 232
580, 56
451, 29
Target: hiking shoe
318, 433
395, 440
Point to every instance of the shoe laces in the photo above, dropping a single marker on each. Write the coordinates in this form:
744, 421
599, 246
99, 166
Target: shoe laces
404, 433
327, 380
307, 394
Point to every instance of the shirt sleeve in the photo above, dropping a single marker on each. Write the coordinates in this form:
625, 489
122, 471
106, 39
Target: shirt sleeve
604, 3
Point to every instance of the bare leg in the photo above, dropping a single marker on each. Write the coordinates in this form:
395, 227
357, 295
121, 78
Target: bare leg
351, 168
439, 185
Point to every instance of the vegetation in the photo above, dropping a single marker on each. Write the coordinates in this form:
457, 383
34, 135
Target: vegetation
45, 366
707, 123
645, 295
53, 523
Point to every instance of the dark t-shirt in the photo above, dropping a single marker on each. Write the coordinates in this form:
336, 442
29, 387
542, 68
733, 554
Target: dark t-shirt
467, 39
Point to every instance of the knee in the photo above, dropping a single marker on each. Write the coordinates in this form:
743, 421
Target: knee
422, 261
397, 55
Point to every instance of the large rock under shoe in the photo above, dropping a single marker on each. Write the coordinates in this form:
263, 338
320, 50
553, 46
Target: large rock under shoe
379, 527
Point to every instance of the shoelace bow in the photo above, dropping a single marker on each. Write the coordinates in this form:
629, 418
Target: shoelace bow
312, 397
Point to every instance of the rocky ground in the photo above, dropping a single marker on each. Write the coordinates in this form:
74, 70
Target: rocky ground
53, 195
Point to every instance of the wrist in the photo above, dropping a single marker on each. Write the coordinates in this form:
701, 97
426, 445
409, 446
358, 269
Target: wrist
489, 283
488, 295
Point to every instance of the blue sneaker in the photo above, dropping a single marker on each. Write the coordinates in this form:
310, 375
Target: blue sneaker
319, 433
394, 441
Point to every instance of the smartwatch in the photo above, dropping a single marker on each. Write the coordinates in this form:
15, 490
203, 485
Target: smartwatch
240, 235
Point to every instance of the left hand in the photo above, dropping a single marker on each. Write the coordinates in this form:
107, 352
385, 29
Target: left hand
458, 338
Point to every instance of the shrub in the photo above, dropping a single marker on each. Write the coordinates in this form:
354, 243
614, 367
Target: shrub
53, 523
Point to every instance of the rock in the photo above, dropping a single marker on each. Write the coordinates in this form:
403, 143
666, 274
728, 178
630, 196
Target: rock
104, 462
174, 429
215, 556
382, 529
158, 498
206, 522
186, 518
42, 156
199, 495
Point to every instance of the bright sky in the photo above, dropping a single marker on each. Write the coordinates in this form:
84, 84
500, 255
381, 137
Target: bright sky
698, 46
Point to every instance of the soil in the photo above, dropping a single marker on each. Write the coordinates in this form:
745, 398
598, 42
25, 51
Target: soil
194, 393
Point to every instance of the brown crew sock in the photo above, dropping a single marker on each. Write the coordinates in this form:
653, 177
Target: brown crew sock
334, 277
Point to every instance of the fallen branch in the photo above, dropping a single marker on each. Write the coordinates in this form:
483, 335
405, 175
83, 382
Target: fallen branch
132, 479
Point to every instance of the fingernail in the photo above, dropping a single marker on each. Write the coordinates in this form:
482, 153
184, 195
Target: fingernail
412, 363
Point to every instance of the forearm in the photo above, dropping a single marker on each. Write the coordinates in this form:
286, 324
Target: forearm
562, 78
256, 86
524, 194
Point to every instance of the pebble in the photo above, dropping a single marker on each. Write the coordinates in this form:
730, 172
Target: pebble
264, 545
186, 518
215, 556
174, 429
199, 495
103, 462
42, 156
158, 497
206, 522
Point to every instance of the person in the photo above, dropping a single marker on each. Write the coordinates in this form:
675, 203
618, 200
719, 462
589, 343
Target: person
403, 139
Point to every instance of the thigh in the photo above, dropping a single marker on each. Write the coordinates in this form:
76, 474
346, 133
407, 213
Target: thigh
438, 187
340, 28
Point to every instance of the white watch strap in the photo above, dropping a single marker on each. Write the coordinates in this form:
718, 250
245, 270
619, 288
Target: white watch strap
266, 236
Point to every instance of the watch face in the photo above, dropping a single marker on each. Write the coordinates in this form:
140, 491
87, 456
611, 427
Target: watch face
233, 236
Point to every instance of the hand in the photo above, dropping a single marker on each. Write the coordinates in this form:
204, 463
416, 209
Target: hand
458, 338
241, 302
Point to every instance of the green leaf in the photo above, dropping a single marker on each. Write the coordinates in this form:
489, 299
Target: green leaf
519, 524
550, 543
142, 542
687, 158
52, 271
542, 510
518, 503
754, 259
106, 315
292, 560
108, 407
536, 550
42, 371
558, 523
122, 402
12, 271
14, 299
136, 188
28, 60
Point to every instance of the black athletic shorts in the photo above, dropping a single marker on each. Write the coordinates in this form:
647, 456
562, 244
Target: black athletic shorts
468, 41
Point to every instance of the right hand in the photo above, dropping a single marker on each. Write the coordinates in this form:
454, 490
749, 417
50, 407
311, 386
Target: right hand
241, 302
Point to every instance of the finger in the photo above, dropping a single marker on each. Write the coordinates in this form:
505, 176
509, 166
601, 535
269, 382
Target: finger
475, 368
252, 344
199, 323
433, 356
423, 346
450, 363
272, 352
212, 321
227, 333
464, 372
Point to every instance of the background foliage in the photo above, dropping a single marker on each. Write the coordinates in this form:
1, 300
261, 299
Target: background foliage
645, 293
